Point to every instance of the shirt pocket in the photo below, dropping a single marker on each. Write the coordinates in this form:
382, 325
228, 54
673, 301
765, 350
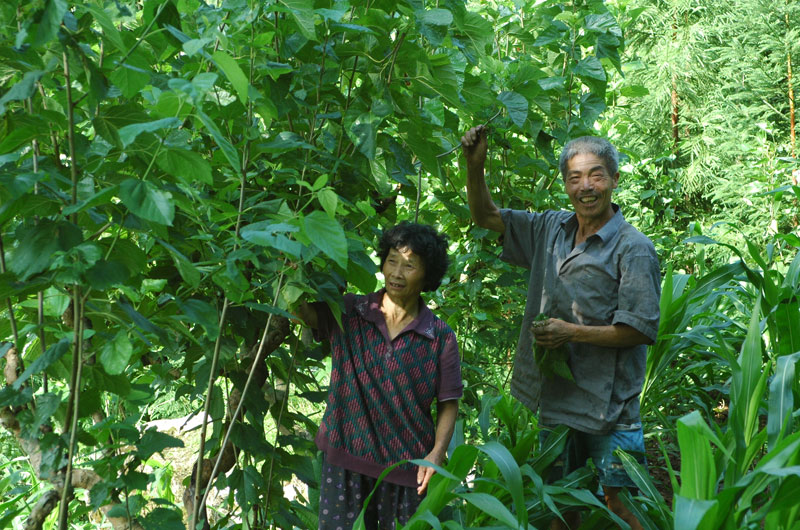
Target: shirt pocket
595, 295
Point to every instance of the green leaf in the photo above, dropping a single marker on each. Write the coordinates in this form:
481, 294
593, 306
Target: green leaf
552, 83
698, 472
246, 484
116, 354
364, 133
268, 234
433, 24
38, 242
101, 197
787, 322
695, 513
516, 105
202, 313
602, 23
303, 14
18, 137
148, 202
478, 30
491, 506
193, 46
327, 235
54, 12
590, 68
329, 200
109, 29
634, 91
781, 397
129, 133
511, 474
476, 92
44, 361
421, 146
748, 382
592, 106
21, 90
436, 17
227, 148
164, 519
153, 442
186, 268
285, 141
233, 72
99, 379
186, 165
361, 271
46, 406
13, 397
643, 481
132, 75
105, 274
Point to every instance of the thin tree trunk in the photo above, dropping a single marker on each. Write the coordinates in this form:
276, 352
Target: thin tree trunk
675, 132
674, 99
792, 137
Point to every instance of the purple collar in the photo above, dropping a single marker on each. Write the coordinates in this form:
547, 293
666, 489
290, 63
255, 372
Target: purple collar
369, 307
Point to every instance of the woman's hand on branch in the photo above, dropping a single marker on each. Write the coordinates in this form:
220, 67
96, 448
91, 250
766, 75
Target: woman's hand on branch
475, 146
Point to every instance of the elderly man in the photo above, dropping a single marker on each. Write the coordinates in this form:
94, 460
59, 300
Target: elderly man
598, 280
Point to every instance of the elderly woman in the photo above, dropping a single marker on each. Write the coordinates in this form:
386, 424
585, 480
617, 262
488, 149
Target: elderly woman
391, 360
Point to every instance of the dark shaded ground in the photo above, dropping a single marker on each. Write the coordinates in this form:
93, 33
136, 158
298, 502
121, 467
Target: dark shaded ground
657, 466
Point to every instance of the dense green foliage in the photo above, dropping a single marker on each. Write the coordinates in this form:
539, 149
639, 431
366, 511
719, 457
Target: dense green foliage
175, 175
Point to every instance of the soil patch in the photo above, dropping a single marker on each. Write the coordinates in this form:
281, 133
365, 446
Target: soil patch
657, 466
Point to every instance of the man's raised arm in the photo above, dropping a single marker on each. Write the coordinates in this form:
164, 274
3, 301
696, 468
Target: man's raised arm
481, 206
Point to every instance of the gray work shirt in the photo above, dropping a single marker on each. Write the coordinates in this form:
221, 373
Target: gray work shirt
611, 278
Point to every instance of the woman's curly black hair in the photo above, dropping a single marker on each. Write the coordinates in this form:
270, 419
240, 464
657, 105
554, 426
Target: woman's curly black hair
425, 242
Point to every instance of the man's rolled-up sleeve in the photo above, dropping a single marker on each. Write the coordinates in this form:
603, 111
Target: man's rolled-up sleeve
640, 294
518, 239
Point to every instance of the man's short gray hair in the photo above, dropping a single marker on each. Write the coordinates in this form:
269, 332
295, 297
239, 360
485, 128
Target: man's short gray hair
593, 145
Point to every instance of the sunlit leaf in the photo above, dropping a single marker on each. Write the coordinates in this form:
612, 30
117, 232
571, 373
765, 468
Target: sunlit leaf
491, 506
22, 89
51, 355
781, 397
516, 105
54, 12
38, 242
233, 72
511, 474
227, 148
186, 165
303, 14
327, 235
116, 353
147, 201
129, 133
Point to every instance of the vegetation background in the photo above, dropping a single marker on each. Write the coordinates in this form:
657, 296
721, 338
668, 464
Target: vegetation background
174, 174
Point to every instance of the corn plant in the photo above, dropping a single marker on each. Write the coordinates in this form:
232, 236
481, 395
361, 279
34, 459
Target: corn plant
740, 474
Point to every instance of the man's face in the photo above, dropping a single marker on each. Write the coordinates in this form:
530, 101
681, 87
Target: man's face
589, 187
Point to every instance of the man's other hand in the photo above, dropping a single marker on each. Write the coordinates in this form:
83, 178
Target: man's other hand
552, 333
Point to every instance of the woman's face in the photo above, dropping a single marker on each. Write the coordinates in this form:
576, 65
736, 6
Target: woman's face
404, 273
